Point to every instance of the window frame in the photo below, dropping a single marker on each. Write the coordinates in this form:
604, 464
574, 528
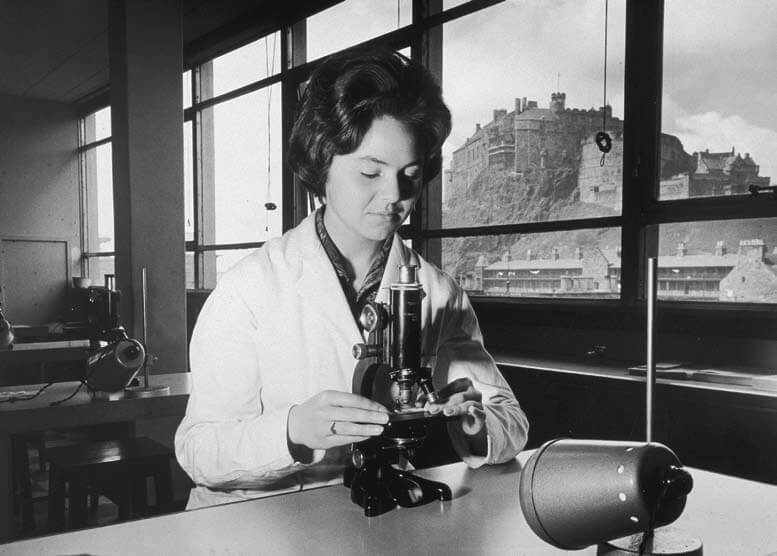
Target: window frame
87, 109
203, 209
641, 212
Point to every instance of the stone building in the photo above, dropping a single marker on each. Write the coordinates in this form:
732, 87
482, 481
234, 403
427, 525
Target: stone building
753, 278
531, 139
599, 183
528, 139
746, 276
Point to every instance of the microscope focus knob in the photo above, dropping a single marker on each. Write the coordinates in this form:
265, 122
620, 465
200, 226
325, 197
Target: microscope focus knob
362, 351
358, 459
373, 317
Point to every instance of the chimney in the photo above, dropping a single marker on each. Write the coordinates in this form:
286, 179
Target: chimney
681, 249
752, 249
523, 104
720, 248
477, 128
518, 106
531, 104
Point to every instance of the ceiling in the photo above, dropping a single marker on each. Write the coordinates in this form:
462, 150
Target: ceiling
55, 50
58, 49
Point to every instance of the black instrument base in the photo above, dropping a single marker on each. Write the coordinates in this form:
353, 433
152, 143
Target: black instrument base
379, 487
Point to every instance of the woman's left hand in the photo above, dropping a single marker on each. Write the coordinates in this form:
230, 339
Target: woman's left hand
461, 398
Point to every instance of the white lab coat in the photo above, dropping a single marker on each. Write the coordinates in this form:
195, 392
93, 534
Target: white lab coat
277, 330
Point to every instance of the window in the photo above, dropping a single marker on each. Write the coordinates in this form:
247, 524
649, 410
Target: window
523, 151
233, 136
232, 146
528, 207
366, 20
718, 139
96, 176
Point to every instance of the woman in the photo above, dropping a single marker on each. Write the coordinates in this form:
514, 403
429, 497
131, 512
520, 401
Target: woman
271, 408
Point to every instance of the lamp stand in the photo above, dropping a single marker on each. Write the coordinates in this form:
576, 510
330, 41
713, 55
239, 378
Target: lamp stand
664, 541
145, 391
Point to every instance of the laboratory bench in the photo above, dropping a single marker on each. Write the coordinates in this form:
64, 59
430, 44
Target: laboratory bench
726, 428
729, 515
39, 415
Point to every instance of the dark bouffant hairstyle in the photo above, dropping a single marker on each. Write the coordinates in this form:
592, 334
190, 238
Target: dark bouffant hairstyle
350, 90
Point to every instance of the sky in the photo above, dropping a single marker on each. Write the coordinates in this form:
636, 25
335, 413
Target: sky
720, 77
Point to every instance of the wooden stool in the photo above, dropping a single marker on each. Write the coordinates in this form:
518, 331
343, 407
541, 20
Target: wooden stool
22, 482
117, 469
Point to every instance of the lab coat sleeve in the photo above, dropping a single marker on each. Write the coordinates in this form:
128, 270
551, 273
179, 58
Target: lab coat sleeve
226, 439
461, 354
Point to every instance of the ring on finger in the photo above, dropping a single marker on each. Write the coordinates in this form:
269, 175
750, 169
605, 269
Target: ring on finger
332, 429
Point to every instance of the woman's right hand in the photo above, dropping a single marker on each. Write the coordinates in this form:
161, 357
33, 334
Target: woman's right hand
332, 418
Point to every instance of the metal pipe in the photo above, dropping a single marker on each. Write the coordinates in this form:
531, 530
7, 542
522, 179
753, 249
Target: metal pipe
144, 309
650, 377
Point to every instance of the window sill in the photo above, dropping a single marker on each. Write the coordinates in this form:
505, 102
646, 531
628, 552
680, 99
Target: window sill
766, 380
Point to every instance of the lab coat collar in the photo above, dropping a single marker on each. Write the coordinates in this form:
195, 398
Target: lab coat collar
319, 289
318, 283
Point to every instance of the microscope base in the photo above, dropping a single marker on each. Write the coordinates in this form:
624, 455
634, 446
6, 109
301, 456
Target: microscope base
381, 488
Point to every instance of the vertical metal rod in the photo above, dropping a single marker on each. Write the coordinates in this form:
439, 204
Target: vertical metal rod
144, 309
651, 284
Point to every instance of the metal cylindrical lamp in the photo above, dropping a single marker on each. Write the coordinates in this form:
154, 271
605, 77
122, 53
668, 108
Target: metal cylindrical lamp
618, 495
576, 493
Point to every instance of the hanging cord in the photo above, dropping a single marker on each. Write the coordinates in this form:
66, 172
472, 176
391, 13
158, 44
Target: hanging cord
24, 398
12, 397
603, 139
269, 66
76, 391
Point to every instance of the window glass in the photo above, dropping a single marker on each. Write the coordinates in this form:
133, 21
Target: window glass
98, 267
727, 260
247, 64
246, 166
448, 4
355, 21
188, 181
97, 125
189, 270
522, 148
582, 264
99, 199
718, 119
187, 89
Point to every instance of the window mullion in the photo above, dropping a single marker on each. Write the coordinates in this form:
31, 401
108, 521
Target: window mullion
641, 137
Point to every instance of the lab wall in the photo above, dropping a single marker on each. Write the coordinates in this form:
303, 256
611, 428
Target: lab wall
39, 195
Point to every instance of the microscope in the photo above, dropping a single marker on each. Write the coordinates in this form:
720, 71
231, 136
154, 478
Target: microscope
389, 371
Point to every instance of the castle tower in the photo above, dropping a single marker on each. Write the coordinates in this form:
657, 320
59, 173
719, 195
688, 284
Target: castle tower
557, 102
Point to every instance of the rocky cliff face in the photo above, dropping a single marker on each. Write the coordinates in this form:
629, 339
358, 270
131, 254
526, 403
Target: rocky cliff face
502, 197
